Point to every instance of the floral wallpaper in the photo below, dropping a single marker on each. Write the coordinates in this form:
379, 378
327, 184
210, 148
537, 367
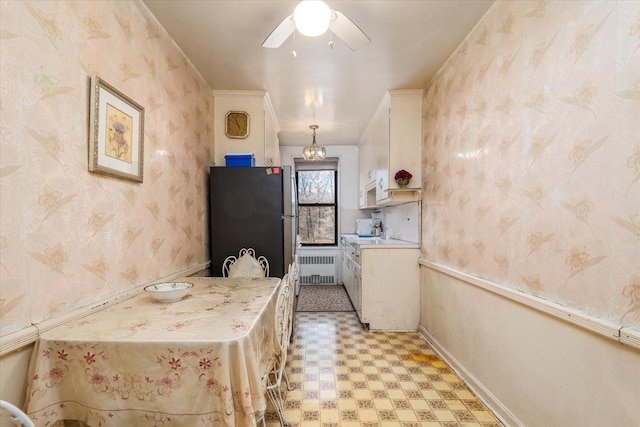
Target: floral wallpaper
532, 155
68, 237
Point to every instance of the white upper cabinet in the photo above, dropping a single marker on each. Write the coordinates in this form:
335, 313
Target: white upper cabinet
367, 175
391, 142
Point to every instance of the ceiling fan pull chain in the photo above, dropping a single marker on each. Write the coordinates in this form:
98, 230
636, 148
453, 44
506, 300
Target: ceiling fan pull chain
293, 52
331, 39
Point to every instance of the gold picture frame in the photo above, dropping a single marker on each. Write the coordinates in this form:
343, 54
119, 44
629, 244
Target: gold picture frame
116, 133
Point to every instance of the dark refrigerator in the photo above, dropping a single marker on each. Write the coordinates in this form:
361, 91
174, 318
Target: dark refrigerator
253, 207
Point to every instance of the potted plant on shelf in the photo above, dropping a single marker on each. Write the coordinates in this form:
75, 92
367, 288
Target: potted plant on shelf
403, 177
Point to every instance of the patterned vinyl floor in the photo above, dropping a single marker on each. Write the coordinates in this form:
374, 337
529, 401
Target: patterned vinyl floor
346, 376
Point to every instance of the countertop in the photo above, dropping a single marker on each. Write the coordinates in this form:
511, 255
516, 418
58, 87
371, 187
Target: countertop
378, 242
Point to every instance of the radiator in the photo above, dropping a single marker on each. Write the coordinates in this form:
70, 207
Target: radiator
318, 269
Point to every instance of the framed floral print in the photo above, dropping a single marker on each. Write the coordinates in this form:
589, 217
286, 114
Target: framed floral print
116, 133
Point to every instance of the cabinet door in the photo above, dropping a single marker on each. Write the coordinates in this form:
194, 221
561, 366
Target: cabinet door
364, 180
350, 282
357, 291
367, 170
405, 135
382, 170
347, 279
390, 298
343, 265
353, 284
382, 185
362, 197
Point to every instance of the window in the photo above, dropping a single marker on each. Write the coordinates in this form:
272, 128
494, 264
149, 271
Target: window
317, 183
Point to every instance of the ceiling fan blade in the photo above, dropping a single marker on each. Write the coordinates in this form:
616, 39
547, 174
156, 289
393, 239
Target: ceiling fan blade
280, 33
348, 32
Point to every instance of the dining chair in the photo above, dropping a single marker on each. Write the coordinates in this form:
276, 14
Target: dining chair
293, 271
246, 264
276, 369
292, 276
16, 415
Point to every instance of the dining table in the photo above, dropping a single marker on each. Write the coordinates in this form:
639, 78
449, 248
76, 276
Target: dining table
199, 361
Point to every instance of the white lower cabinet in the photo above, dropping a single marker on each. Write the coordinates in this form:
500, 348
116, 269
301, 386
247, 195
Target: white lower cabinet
389, 289
351, 276
354, 287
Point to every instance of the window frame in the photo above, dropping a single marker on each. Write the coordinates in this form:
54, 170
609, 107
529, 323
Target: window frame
335, 204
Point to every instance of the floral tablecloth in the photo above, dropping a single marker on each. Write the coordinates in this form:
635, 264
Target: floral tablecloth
196, 362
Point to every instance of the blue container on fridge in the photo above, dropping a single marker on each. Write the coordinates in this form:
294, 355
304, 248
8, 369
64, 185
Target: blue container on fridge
234, 160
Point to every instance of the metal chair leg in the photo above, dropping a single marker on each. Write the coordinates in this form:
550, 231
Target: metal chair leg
275, 396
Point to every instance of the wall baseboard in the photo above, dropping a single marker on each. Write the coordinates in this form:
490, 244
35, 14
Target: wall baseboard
492, 402
27, 336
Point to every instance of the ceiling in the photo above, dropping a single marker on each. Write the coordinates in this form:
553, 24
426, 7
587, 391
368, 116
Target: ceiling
337, 89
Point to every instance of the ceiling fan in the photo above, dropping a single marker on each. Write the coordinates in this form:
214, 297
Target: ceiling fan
312, 18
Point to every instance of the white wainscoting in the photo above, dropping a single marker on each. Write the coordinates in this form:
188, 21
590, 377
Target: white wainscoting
533, 362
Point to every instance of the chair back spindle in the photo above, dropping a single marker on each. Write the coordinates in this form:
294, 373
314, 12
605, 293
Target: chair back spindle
15, 414
245, 265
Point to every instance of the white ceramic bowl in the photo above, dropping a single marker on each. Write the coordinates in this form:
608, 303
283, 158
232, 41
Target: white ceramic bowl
169, 291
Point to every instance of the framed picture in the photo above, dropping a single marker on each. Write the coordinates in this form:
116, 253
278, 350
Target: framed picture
116, 133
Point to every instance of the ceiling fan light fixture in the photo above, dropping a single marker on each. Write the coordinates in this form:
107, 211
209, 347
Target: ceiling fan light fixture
312, 17
314, 151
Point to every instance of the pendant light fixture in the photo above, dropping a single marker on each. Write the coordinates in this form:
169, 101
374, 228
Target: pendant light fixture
314, 151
